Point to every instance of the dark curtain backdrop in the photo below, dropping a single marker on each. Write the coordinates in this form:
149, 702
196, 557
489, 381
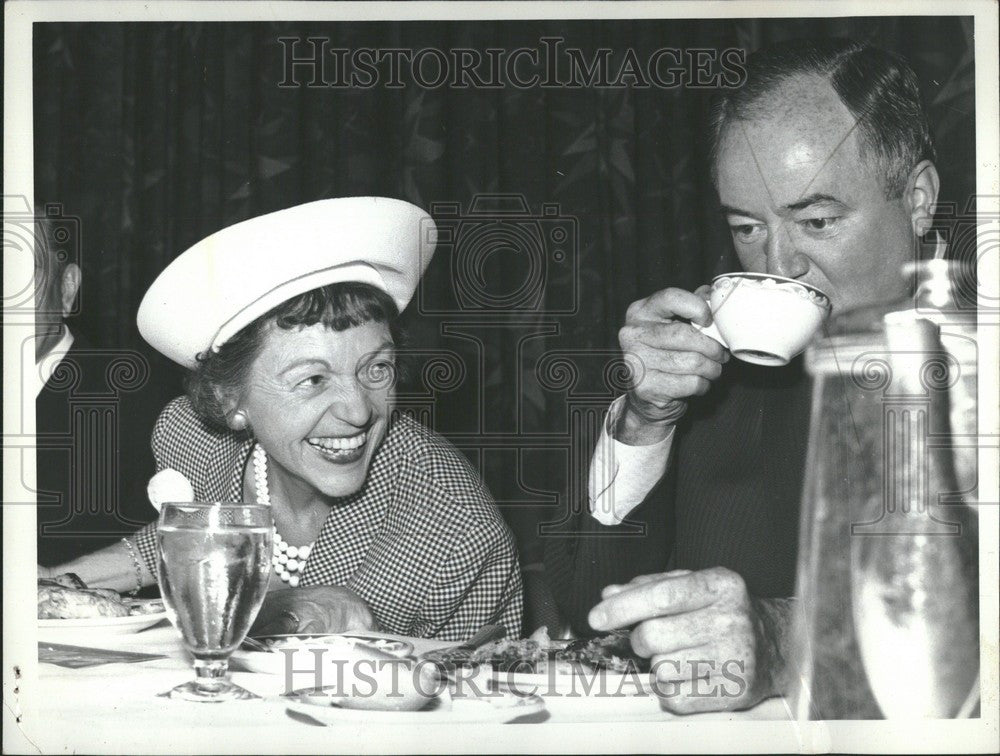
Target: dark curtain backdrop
156, 135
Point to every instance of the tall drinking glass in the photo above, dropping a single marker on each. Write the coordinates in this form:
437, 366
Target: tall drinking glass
214, 564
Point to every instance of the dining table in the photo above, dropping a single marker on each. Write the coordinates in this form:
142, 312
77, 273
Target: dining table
114, 705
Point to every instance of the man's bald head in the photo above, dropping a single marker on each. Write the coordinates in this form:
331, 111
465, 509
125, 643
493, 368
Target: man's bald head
878, 89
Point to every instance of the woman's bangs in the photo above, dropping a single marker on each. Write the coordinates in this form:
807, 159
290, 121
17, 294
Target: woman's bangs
338, 307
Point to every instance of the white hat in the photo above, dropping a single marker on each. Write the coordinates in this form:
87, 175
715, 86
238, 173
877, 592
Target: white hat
228, 280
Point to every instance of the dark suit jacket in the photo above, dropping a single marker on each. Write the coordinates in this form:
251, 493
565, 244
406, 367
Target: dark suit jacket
730, 497
94, 418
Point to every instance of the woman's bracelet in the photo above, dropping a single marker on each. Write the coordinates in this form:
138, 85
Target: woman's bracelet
136, 564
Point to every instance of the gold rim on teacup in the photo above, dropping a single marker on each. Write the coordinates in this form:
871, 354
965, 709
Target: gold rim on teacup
770, 281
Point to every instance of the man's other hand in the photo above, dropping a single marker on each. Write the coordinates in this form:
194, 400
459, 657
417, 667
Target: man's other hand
711, 645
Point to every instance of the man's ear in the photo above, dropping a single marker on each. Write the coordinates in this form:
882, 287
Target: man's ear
921, 196
69, 287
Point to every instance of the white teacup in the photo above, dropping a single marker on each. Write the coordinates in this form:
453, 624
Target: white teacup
764, 319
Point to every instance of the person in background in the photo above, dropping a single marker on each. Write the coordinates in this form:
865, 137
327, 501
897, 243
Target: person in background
288, 323
824, 168
93, 412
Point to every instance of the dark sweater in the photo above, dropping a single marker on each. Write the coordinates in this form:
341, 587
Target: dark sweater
94, 418
730, 497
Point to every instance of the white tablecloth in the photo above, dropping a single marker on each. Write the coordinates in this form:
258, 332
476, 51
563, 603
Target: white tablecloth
114, 708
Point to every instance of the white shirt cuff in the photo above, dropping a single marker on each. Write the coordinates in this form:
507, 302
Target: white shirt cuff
621, 475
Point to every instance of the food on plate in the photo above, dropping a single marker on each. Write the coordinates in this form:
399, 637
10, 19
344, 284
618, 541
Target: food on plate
278, 642
59, 602
540, 654
68, 597
146, 607
612, 652
386, 645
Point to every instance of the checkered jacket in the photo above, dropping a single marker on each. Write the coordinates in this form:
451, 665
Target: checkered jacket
422, 542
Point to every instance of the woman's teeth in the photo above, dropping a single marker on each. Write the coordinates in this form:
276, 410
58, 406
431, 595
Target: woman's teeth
331, 444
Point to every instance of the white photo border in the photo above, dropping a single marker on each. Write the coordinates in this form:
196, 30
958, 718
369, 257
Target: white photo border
22, 730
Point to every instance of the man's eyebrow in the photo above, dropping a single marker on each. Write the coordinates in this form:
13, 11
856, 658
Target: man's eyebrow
807, 201
727, 210
814, 199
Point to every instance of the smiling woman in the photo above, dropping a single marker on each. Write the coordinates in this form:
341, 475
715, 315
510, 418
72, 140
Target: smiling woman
380, 523
282, 369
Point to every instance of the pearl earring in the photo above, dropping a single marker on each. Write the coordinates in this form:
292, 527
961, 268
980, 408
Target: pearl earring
239, 421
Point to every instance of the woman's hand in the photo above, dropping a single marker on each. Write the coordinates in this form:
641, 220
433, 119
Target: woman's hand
313, 609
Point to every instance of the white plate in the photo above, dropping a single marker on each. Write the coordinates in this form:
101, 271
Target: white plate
133, 623
391, 646
337, 647
498, 708
586, 683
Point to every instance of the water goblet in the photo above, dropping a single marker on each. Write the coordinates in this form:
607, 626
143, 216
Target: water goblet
214, 565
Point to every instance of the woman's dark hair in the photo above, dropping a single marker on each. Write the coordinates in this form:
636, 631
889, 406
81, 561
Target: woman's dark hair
220, 375
878, 88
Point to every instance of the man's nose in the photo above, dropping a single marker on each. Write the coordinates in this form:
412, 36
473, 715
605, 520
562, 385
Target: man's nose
783, 255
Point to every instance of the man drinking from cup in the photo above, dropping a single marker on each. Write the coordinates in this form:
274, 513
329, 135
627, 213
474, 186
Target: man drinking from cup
823, 165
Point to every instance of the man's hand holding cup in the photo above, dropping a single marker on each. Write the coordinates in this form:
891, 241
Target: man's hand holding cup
674, 354
671, 361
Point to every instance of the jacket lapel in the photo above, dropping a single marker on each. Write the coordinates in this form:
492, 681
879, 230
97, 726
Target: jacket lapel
352, 525
227, 460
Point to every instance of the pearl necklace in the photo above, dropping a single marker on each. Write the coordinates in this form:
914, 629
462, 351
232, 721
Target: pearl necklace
289, 561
